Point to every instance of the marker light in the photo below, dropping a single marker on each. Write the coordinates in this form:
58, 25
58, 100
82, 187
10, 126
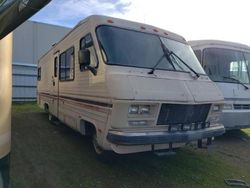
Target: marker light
110, 21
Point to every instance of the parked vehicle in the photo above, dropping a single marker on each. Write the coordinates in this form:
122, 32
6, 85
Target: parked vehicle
5, 110
227, 64
12, 14
131, 86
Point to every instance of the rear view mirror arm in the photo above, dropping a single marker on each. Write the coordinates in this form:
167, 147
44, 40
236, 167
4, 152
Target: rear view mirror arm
92, 69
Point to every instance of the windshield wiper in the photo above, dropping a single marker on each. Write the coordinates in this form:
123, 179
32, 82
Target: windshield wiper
166, 55
238, 81
190, 68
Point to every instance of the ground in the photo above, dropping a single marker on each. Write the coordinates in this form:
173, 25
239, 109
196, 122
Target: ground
54, 156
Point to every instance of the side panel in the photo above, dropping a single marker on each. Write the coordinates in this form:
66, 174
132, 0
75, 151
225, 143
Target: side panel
85, 98
44, 85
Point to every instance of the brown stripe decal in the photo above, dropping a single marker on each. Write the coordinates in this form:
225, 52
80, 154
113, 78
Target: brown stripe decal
96, 103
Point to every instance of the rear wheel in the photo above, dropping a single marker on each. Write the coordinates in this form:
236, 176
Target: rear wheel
51, 117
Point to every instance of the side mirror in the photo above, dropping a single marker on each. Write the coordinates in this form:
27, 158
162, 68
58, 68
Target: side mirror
84, 61
84, 57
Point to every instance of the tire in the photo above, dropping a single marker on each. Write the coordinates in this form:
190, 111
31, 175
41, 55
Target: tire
101, 154
97, 147
46, 108
53, 119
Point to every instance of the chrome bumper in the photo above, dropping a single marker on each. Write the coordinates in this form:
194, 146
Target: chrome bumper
162, 137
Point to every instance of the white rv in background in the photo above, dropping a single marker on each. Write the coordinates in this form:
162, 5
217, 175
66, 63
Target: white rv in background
228, 64
131, 86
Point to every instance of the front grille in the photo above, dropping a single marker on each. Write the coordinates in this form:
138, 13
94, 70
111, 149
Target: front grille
181, 115
241, 106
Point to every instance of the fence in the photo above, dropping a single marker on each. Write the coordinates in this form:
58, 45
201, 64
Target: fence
24, 82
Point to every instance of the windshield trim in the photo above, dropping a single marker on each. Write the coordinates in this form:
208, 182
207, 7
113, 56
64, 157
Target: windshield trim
231, 82
106, 61
188, 72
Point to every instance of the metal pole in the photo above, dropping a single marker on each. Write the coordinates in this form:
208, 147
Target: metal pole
5, 109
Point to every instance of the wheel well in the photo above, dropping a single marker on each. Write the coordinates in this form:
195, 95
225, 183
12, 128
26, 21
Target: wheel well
46, 107
87, 128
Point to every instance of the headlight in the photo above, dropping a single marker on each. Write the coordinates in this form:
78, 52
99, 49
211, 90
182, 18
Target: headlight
227, 107
216, 108
139, 109
133, 109
145, 109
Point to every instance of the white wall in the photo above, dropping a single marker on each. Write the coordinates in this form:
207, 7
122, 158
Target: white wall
30, 41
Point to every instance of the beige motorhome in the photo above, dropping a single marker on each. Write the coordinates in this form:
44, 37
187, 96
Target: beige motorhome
131, 86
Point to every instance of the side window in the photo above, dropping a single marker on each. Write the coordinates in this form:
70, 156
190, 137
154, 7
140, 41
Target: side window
39, 72
87, 43
198, 55
66, 64
55, 66
238, 70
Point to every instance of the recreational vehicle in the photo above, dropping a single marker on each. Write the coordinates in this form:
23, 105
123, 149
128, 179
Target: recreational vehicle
5, 110
227, 64
131, 86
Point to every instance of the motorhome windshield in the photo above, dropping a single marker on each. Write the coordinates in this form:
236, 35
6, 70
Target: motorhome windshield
225, 65
137, 49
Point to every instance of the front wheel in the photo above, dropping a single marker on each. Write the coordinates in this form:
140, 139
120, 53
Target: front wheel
101, 154
97, 147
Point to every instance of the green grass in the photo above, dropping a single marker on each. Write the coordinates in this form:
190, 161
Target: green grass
247, 131
46, 155
26, 107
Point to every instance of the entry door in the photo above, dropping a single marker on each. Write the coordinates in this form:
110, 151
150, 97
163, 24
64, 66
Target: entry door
55, 86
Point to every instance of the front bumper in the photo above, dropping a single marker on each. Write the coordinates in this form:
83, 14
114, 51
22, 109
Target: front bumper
235, 120
162, 137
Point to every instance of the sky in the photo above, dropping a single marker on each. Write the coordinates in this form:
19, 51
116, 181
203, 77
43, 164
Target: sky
193, 19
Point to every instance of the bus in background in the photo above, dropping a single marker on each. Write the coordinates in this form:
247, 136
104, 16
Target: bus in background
132, 87
227, 64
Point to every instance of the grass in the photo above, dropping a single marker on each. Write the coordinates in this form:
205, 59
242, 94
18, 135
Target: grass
247, 131
25, 107
51, 156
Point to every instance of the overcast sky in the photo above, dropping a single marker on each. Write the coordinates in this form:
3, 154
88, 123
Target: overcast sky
194, 19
